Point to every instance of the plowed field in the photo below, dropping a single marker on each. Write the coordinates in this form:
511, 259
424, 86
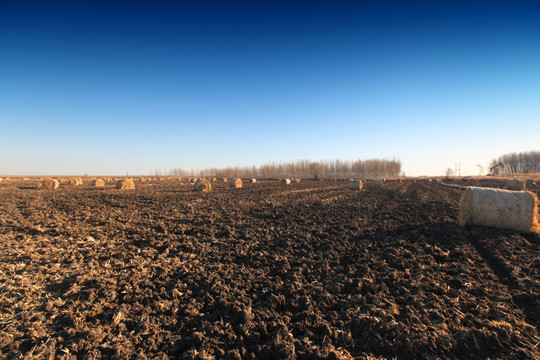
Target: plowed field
310, 270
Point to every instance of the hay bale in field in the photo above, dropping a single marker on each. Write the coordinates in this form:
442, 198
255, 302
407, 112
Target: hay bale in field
49, 184
356, 184
296, 180
225, 180
142, 180
97, 183
515, 184
436, 181
505, 209
71, 181
378, 182
203, 185
125, 184
253, 181
236, 183
286, 181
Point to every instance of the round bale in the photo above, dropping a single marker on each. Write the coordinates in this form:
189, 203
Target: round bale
125, 184
49, 184
504, 209
286, 181
203, 185
515, 184
235, 183
74, 181
296, 180
253, 181
97, 183
355, 184
378, 182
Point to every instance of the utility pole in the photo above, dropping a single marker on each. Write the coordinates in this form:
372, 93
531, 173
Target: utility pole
457, 169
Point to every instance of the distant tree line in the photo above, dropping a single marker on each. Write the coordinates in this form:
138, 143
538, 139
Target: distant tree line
516, 163
327, 169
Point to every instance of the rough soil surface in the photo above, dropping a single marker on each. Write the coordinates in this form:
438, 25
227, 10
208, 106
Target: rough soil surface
310, 270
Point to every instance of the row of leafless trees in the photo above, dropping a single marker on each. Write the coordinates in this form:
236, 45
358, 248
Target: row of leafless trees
516, 163
307, 169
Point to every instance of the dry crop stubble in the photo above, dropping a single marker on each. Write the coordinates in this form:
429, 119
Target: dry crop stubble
318, 273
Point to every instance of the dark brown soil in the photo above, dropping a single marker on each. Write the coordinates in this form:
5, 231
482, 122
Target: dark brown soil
310, 270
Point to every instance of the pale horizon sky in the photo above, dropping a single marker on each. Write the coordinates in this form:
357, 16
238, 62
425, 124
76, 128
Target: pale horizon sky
109, 88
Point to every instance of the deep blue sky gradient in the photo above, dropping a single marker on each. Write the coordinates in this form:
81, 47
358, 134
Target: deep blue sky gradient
116, 87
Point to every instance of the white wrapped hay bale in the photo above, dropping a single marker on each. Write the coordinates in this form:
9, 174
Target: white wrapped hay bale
514, 210
203, 185
49, 184
235, 183
97, 183
125, 184
356, 184
286, 181
378, 182
515, 184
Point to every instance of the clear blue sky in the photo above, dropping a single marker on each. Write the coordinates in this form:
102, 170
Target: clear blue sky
133, 86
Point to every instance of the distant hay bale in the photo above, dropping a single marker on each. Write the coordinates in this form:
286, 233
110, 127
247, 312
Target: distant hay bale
214, 179
142, 180
49, 184
515, 184
74, 181
125, 184
203, 185
505, 209
378, 182
286, 181
436, 181
356, 184
225, 180
235, 183
296, 180
253, 181
97, 183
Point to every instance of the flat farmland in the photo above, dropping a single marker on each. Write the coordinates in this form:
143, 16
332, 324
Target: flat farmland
309, 270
